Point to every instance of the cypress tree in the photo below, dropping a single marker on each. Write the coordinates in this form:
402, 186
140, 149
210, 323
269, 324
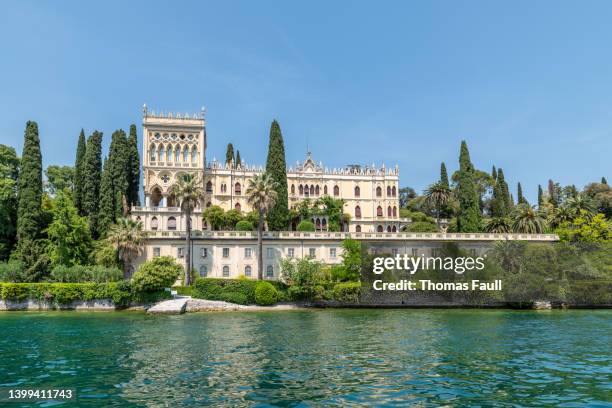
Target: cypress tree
604, 181
505, 190
78, 173
133, 197
540, 196
29, 195
276, 168
444, 176
92, 170
498, 206
469, 216
238, 159
229, 155
494, 174
107, 200
521, 198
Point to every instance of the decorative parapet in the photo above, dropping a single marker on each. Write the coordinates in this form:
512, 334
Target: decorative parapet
365, 236
146, 113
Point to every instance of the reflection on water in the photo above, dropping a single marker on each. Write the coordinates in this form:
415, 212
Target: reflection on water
314, 358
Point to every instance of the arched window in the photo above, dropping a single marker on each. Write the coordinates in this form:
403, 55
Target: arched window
312, 190
170, 154
393, 191
357, 212
357, 228
237, 189
152, 155
177, 153
247, 270
388, 228
162, 153
270, 271
171, 223
185, 155
203, 271
394, 229
357, 191
394, 211
226, 271
317, 190
208, 204
389, 211
379, 228
324, 190
154, 223
318, 224
389, 191
301, 189
194, 155
379, 211
378, 191
237, 207
336, 191
324, 224
209, 188
293, 189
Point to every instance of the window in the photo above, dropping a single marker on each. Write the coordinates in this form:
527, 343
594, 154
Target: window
357, 228
389, 191
172, 223
226, 271
394, 229
180, 253
152, 155
154, 223
156, 251
312, 252
270, 271
162, 153
185, 155
209, 188
290, 252
379, 211
204, 252
203, 271
358, 212
177, 154
247, 270
389, 211
393, 191
237, 189
293, 189
378, 191
270, 253
380, 229
388, 228
394, 211
194, 155
317, 190
357, 191
336, 191
301, 189
332, 253
238, 207
248, 252
324, 190
226, 252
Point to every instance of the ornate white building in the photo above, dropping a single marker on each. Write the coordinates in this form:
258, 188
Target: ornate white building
174, 144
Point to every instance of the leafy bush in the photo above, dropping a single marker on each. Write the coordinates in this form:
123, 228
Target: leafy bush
265, 294
11, 271
306, 226
422, 226
76, 273
103, 274
244, 226
305, 274
156, 274
347, 292
241, 291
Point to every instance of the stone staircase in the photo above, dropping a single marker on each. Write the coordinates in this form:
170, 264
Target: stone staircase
172, 306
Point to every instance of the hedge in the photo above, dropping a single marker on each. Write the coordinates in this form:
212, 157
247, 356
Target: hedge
347, 292
265, 294
240, 291
121, 293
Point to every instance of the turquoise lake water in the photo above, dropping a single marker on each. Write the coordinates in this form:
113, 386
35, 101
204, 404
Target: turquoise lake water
313, 358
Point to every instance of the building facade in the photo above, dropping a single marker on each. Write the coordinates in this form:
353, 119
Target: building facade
175, 144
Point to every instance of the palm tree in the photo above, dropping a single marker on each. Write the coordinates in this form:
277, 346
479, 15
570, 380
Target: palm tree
438, 195
189, 192
580, 203
527, 220
561, 215
261, 194
498, 225
128, 238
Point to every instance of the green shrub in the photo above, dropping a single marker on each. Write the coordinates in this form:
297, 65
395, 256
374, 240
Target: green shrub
224, 289
156, 274
234, 297
422, 226
75, 273
265, 294
14, 291
244, 225
11, 271
306, 226
103, 274
347, 292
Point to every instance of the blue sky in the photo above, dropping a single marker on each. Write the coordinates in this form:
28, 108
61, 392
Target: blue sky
527, 84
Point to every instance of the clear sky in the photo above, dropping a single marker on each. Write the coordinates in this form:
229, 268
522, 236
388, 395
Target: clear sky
527, 84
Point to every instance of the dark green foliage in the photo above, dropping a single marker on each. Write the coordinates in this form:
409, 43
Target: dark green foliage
276, 168
121, 293
9, 171
79, 173
92, 172
406, 194
241, 291
107, 210
505, 191
498, 205
494, 173
540, 196
244, 226
444, 176
265, 293
421, 226
238, 159
521, 198
554, 193
80, 273
133, 190
33, 254
306, 226
604, 181
469, 215
229, 155
59, 178
347, 292
29, 211
156, 274
11, 271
